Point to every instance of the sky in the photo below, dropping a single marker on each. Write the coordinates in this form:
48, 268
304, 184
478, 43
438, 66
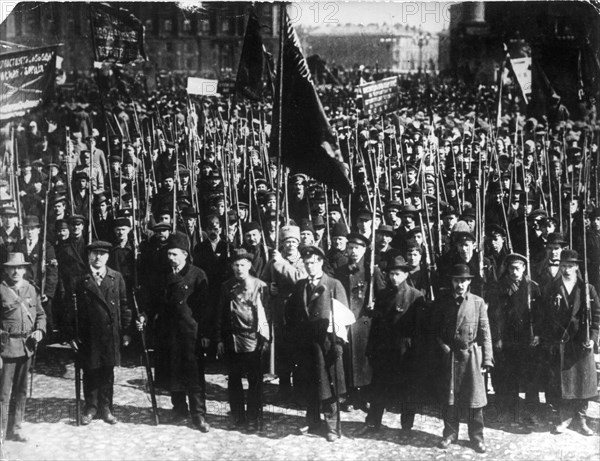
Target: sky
432, 16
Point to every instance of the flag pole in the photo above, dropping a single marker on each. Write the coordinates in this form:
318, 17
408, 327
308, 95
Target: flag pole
282, 12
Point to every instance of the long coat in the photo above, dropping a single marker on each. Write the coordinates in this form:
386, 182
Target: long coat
355, 280
35, 270
393, 326
572, 368
21, 313
307, 316
465, 329
181, 323
103, 318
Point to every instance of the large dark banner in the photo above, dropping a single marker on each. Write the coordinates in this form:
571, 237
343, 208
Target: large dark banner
26, 79
118, 35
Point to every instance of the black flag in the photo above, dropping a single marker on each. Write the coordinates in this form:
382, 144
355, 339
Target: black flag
249, 81
308, 145
117, 35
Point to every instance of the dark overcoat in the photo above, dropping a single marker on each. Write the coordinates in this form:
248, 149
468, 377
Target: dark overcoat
355, 280
103, 318
465, 329
307, 316
180, 324
572, 367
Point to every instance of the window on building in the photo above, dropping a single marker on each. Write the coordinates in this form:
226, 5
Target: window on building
204, 25
190, 47
169, 47
168, 25
225, 26
190, 63
187, 26
149, 25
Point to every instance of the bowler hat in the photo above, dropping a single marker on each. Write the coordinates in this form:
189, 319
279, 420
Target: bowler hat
569, 256
398, 263
461, 271
16, 260
31, 221
385, 229
339, 229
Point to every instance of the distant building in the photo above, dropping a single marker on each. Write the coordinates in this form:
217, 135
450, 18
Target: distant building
206, 41
562, 38
392, 48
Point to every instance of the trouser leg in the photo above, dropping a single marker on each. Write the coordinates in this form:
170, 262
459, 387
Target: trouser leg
451, 421
197, 396
330, 414
179, 402
10, 375
475, 424
106, 381
407, 419
254, 374
235, 390
19, 393
90, 390
375, 414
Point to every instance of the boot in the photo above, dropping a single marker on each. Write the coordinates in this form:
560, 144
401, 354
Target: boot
4, 408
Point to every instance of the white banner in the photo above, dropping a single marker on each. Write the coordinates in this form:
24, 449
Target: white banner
202, 86
522, 70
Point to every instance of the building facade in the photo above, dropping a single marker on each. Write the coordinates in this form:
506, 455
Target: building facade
388, 48
202, 41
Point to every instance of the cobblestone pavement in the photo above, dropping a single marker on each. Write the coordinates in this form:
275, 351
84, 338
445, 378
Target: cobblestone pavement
50, 426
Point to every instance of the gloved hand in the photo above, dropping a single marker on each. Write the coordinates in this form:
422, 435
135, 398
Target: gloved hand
36, 336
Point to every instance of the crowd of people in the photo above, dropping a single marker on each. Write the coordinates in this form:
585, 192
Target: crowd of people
464, 266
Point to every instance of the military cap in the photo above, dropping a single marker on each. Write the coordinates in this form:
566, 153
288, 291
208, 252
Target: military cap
415, 230
335, 207
298, 178
462, 236
495, 229
99, 245
122, 222
393, 205
468, 213
99, 199
38, 162
184, 172
311, 250
243, 205
358, 239
408, 210
61, 224
260, 181
515, 257
124, 213
365, 214
81, 174
76, 219
162, 226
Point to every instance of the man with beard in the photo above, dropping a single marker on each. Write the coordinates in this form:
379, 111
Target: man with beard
572, 331
254, 245
388, 348
281, 274
182, 331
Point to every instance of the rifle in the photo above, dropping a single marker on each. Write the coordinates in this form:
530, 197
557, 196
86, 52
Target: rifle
338, 422
136, 312
75, 347
587, 310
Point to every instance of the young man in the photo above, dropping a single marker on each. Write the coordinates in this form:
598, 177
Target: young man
103, 320
242, 331
308, 316
21, 328
572, 333
465, 339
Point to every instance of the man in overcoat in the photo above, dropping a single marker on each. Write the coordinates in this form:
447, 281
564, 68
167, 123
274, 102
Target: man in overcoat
103, 318
571, 329
242, 332
319, 356
515, 319
21, 328
355, 279
389, 348
182, 330
465, 339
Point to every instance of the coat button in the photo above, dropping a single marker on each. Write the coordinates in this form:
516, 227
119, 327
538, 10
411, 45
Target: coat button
180, 302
